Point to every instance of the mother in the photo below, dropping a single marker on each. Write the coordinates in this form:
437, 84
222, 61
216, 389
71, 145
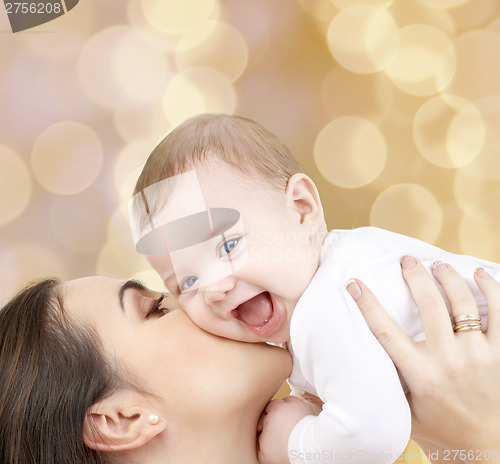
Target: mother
98, 370
111, 362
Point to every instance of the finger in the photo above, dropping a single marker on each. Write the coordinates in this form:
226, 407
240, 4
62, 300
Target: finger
272, 405
430, 302
461, 300
311, 398
397, 344
491, 289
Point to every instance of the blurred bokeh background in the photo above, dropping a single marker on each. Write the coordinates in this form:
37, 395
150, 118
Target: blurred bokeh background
392, 107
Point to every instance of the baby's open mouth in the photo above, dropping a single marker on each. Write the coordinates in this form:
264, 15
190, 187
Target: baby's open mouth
258, 314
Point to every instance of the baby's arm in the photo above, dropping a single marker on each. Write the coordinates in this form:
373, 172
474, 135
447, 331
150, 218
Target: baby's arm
382, 251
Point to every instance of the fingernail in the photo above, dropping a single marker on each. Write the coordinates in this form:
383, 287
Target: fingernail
480, 272
407, 262
438, 266
353, 288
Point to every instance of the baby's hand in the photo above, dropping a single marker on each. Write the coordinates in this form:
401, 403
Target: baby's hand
278, 421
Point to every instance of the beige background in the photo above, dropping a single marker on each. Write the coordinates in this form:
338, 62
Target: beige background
393, 108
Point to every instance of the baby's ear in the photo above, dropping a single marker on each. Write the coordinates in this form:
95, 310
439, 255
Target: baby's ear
121, 422
302, 196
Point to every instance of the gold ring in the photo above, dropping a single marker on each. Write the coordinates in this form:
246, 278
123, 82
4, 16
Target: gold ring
467, 327
467, 318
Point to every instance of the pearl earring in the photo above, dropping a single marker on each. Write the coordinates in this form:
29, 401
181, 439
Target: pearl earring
153, 419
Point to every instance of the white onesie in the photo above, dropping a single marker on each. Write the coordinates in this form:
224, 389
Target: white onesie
365, 417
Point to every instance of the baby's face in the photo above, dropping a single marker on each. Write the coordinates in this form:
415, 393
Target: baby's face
243, 280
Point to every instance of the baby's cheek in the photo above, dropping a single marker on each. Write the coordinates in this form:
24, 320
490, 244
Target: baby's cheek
201, 317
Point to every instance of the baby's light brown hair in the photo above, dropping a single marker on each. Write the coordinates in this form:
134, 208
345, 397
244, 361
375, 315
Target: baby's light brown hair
237, 141
240, 142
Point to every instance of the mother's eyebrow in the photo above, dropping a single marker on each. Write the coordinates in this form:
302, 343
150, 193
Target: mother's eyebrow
129, 284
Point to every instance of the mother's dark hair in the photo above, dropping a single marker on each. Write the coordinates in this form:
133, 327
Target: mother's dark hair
51, 372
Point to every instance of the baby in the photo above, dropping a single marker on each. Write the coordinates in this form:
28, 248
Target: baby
236, 231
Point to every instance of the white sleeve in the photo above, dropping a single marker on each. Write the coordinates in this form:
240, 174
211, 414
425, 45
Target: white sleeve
381, 251
365, 416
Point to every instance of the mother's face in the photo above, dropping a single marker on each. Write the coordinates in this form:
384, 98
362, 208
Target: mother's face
189, 369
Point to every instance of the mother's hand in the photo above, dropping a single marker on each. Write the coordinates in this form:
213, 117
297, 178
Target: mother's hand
454, 378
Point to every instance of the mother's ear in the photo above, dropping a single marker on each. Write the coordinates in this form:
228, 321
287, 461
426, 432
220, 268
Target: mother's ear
121, 422
302, 196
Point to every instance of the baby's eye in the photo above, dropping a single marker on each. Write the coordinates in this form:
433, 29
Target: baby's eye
188, 283
226, 247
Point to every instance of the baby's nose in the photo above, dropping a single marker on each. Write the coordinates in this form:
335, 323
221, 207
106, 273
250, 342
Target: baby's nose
212, 297
218, 291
